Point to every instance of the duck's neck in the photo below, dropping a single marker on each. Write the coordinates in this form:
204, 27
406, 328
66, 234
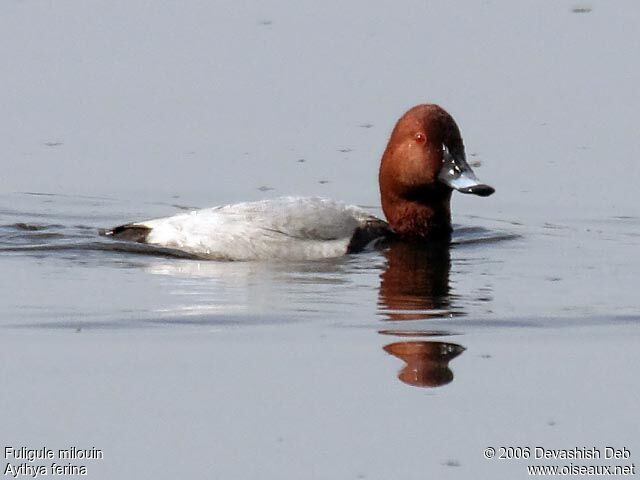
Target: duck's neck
420, 217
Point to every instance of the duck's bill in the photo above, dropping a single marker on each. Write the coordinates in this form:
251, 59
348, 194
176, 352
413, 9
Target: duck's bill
457, 173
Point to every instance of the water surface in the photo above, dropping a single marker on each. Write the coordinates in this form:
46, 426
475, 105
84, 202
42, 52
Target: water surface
402, 363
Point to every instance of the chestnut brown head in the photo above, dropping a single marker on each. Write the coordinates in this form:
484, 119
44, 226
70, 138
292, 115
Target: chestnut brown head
424, 160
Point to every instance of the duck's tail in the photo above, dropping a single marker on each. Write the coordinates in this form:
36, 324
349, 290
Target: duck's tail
129, 232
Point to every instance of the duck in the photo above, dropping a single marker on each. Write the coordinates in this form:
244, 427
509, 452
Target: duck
423, 163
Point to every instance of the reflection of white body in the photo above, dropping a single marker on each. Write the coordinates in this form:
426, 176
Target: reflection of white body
282, 228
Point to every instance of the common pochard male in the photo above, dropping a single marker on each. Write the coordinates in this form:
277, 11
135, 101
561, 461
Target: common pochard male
423, 163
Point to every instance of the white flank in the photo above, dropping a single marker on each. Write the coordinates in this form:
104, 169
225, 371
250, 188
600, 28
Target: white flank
287, 228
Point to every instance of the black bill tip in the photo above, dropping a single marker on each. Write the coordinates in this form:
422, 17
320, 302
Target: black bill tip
481, 190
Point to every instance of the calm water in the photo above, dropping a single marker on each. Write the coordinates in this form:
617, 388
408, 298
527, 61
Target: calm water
405, 363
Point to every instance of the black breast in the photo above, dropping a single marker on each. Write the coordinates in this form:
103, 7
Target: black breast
373, 229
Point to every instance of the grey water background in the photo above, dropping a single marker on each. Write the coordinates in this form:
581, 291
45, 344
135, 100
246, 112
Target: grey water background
396, 364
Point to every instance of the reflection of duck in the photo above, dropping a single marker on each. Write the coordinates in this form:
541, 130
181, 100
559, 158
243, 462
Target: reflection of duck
415, 283
427, 363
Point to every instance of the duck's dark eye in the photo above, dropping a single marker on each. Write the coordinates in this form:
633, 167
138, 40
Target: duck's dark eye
420, 137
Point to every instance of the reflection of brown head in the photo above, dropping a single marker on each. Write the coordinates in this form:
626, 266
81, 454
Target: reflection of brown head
427, 363
415, 283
